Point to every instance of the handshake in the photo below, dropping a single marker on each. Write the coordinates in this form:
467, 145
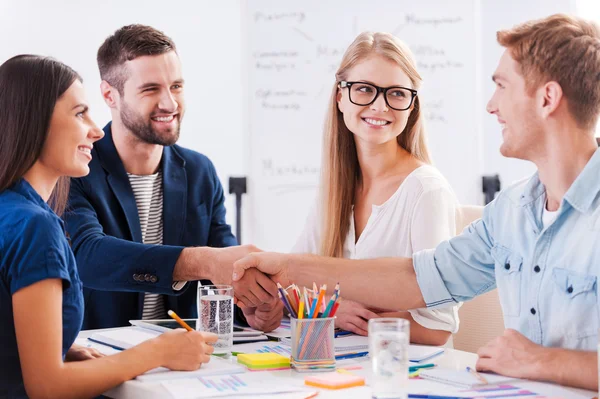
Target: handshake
254, 275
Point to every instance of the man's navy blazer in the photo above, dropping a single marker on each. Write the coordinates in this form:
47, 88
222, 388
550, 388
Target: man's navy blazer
103, 224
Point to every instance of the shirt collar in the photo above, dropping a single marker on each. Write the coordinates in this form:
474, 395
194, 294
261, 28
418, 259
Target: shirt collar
23, 187
532, 190
580, 195
586, 186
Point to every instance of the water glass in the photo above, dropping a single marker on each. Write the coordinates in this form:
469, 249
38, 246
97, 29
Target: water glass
389, 339
215, 314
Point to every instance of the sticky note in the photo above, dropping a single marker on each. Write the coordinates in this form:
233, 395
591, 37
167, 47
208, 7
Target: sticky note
258, 361
334, 380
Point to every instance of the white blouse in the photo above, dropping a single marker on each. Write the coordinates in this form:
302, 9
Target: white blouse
419, 215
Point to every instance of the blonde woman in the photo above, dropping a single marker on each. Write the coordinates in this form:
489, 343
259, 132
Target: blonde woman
380, 196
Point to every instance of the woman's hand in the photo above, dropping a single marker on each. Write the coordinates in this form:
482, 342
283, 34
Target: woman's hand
185, 350
354, 317
77, 353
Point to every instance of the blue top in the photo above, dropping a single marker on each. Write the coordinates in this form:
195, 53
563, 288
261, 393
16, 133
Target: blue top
547, 276
33, 247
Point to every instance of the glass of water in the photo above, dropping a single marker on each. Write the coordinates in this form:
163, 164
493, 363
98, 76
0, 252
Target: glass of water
215, 314
388, 347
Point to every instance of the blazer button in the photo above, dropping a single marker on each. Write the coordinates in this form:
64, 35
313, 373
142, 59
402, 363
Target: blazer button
136, 277
147, 277
570, 290
532, 310
507, 266
153, 279
537, 269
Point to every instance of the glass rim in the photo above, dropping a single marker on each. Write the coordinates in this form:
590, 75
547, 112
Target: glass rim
215, 287
389, 320
313, 319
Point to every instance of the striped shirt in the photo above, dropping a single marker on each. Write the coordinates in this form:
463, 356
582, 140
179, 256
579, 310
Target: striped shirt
148, 193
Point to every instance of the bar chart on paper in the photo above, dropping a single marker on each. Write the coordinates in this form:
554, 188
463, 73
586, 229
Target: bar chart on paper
228, 385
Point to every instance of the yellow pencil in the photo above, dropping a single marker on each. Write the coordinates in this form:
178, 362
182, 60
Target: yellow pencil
179, 320
301, 310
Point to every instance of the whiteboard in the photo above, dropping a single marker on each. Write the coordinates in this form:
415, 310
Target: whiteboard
293, 51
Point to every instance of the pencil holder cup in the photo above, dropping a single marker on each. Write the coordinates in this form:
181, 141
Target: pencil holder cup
313, 347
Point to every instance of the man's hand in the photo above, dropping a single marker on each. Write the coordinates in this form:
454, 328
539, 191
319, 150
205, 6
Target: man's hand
270, 263
354, 317
255, 289
222, 267
266, 317
77, 353
512, 355
206, 263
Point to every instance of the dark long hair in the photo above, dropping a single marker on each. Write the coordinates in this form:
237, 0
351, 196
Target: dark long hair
30, 86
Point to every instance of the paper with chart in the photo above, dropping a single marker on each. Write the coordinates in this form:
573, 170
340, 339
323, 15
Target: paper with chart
293, 51
216, 366
232, 385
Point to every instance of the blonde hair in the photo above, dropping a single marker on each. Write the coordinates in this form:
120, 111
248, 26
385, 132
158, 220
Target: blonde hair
564, 49
341, 171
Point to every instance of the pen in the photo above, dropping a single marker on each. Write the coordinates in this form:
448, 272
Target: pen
178, 319
351, 355
477, 375
421, 366
342, 333
236, 353
426, 396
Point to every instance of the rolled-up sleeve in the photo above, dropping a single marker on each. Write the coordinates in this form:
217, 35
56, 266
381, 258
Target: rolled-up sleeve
460, 268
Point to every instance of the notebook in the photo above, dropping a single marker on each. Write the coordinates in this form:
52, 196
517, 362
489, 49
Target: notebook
240, 334
216, 366
356, 343
419, 354
461, 379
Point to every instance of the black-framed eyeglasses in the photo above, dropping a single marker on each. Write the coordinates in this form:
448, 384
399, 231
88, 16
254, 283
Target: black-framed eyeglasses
396, 97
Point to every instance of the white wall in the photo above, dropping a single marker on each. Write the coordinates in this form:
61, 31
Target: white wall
497, 15
590, 9
208, 36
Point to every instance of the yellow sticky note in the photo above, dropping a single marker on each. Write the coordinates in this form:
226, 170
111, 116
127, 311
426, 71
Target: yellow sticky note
263, 360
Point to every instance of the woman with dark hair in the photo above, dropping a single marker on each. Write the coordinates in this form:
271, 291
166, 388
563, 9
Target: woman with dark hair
46, 136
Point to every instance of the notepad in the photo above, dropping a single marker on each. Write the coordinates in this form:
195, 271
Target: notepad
216, 366
461, 379
334, 380
357, 343
419, 354
263, 361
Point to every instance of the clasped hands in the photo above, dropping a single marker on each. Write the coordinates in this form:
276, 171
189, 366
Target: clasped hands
256, 294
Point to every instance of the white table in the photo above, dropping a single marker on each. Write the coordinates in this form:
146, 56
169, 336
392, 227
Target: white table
452, 359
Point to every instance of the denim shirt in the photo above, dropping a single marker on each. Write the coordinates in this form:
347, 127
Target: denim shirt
547, 276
